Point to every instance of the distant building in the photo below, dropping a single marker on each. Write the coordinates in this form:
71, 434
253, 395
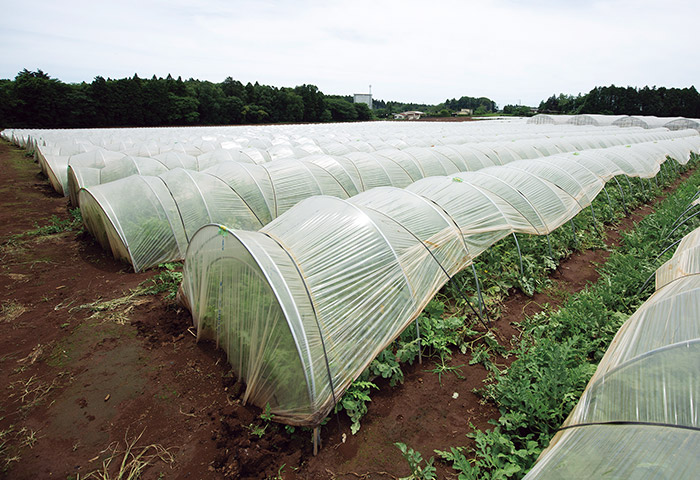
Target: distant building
464, 112
409, 115
365, 98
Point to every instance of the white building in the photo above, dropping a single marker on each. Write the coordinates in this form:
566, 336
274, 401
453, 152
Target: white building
363, 98
409, 115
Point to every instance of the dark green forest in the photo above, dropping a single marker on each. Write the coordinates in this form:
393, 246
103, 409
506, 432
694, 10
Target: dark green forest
34, 99
612, 100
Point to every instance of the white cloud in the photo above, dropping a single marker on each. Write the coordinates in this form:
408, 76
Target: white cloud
508, 50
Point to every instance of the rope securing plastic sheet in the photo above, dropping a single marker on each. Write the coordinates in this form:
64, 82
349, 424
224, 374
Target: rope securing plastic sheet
371, 263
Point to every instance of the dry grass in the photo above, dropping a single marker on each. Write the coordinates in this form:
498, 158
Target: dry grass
116, 310
33, 356
130, 461
10, 311
12, 441
18, 277
12, 248
33, 391
8, 453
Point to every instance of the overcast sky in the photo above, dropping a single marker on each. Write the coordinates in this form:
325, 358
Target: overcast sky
512, 51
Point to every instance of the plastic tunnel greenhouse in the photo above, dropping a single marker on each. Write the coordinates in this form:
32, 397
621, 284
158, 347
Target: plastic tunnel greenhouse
57, 151
148, 220
140, 160
648, 121
638, 417
303, 306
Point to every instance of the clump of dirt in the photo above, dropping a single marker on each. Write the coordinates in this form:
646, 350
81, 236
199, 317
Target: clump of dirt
249, 447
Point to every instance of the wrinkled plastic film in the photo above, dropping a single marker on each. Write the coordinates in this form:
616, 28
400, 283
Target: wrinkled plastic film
370, 264
245, 196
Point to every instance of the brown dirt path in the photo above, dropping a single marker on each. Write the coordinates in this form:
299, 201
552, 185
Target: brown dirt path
72, 383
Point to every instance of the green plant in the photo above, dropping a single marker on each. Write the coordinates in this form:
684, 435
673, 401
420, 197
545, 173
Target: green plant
55, 225
280, 471
267, 415
495, 457
420, 469
354, 402
167, 280
257, 430
442, 368
387, 366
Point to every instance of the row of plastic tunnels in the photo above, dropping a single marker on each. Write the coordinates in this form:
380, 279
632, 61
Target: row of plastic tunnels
146, 209
304, 268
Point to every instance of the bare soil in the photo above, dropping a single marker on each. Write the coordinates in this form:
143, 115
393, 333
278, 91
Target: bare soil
77, 383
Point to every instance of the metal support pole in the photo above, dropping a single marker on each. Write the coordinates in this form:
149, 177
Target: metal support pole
595, 224
520, 257
653, 274
420, 352
681, 224
682, 215
549, 247
573, 228
478, 291
612, 212
624, 204
641, 186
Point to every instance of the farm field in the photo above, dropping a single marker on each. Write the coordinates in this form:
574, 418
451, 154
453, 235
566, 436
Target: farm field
97, 358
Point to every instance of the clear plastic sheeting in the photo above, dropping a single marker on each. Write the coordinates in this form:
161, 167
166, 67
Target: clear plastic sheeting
622, 452
257, 144
595, 119
80, 176
638, 417
152, 211
349, 275
624, 121
122, 167
543, 119
685, 261
683, 123
248, 196
56, 166
630, 122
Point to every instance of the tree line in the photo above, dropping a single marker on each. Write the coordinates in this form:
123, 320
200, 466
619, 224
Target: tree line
612, 100
35, 100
